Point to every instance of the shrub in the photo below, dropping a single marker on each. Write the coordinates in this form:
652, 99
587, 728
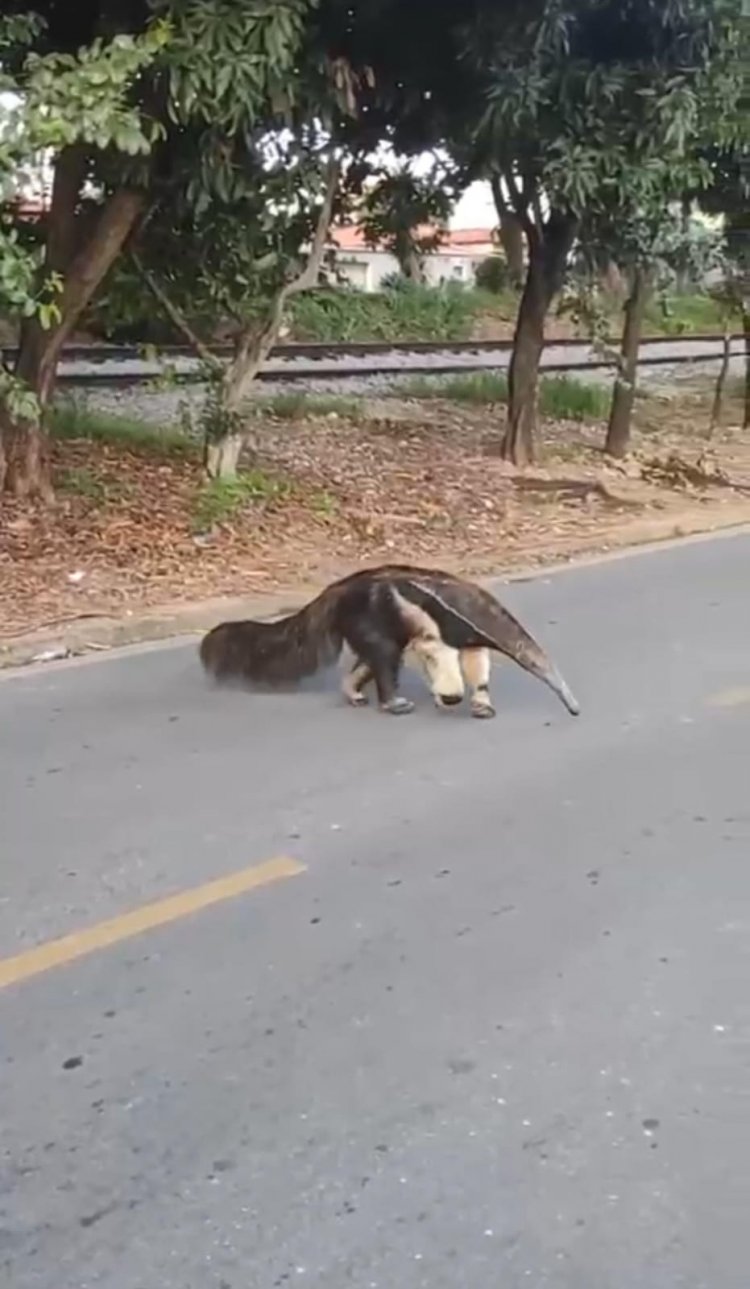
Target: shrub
493, 275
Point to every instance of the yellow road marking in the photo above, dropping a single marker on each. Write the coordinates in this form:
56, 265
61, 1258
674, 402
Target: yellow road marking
730, 697
55, 953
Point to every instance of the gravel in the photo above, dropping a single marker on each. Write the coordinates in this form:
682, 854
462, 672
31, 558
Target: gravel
167, 406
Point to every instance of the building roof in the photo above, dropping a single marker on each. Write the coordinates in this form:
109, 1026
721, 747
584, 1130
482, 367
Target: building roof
458, 241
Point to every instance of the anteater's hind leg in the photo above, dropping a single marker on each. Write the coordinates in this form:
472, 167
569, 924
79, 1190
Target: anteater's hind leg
353, 684
475, 664
380, 658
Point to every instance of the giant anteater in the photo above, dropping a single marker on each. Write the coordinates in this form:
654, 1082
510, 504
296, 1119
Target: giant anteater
444, 624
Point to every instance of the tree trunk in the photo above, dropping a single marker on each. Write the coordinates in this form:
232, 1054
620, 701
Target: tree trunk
623, 395
549, 248
26, 448
523, 374
511, 232
411, 263
746, 331
25, 457
225, 435
721, 380
683, 272
221, 456
611, 279
511, 240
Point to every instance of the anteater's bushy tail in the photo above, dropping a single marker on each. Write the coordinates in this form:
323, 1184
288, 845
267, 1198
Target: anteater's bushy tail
274, 653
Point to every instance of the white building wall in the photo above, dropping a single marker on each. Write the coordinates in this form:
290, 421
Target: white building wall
365, 270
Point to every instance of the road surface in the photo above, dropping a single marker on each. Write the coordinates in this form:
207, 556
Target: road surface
476, 1012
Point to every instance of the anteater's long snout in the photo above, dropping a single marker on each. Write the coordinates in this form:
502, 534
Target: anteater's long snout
529, 655
563, 690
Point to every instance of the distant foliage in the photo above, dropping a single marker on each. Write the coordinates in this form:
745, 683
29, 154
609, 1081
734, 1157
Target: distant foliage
493, 275
124, 313
406, 313
407, 214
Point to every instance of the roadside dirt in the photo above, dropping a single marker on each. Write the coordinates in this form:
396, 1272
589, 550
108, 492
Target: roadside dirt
406, 480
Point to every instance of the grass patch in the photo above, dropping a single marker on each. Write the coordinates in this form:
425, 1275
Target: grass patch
324, 503
684, 315
406, 313
220, 499
296, 405
81, 482
69, 421
561, 398
474, 387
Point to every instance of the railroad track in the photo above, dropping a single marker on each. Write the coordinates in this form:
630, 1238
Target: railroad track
132, 365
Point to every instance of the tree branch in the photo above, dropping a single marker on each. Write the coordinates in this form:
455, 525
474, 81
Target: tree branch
536, 207
40, 351
308, 278
254, 346
519, 202
498, 196
174, 312
70, 172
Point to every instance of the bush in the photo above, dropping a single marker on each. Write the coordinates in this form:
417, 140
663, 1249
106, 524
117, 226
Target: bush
408, 313
493, 275
395, 282
125, 312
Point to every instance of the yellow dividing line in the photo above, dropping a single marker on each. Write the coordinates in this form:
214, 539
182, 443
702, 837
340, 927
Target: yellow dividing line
730, 697
55, 953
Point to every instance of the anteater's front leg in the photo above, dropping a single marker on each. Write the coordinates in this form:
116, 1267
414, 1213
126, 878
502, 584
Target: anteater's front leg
378, 658
475, 664
354, 683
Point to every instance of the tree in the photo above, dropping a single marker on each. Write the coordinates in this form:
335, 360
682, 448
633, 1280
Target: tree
219, 74
586, 102
653, 247
652, 235
259, 234
511, 232
407, 215
73, 105
654, 253
729, 195
238, 237
222, 74
243, 259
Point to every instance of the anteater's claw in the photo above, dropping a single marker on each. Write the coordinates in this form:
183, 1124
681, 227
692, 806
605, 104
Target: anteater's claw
397, 707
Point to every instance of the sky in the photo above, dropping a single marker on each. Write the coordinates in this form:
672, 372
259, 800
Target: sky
475, 209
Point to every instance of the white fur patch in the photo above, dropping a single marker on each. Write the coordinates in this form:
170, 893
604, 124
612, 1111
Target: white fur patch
440, 665
438, 662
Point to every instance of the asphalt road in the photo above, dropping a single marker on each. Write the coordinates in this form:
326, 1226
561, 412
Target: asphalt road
495, 1034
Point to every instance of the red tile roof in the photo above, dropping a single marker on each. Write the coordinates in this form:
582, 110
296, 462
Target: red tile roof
351, 238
